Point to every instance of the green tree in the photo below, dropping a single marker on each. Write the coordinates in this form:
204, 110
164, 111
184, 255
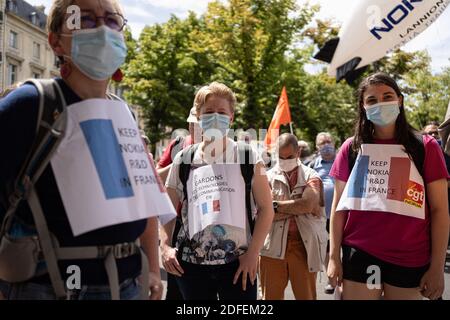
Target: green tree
164, 72
249, 40
322, 31
257, 47
428, 96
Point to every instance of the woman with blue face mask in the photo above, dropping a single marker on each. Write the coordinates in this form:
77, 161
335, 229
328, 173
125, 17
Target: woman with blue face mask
389, 213
87, 38
217, 253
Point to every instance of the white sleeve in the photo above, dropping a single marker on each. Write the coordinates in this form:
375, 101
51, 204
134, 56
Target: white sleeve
173, 178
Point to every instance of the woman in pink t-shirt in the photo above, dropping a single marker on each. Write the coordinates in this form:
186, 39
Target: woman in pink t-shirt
395, 252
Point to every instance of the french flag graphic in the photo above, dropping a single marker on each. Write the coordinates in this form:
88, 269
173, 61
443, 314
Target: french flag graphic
212, 206
399, 186
385, 179
398, 179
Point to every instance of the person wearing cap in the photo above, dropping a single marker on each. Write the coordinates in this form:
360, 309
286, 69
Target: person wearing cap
178, 144
163, 167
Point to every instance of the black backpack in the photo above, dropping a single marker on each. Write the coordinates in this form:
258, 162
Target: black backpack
247, 169
20, 256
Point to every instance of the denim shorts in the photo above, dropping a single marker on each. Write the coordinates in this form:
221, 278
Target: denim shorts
130, 289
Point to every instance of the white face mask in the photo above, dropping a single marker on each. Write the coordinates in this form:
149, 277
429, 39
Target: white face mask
287, 165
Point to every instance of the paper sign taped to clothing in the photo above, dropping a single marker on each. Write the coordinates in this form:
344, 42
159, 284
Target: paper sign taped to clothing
216, 195
384, 179
104, 172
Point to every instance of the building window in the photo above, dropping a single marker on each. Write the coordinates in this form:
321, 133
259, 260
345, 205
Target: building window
13, 40
12, 74
35, 19
36, 50
36, 75
11, 6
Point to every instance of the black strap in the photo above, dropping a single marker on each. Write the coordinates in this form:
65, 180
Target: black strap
187, 157
177, 146
418, 157
51, 105
352, 155
247, 170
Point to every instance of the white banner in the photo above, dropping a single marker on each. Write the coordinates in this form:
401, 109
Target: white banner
216, 195
384, 179
103, 170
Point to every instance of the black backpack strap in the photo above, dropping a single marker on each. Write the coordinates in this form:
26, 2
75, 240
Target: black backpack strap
51, 105
51, 124
352, 155
187, 157
247, 170
418, 156
177, 146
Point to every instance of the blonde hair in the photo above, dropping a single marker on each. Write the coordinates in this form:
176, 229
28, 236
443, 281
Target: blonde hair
214, 89
10, 89
58, 11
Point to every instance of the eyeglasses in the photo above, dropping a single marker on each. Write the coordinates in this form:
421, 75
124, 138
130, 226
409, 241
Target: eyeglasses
432, 133
115, 21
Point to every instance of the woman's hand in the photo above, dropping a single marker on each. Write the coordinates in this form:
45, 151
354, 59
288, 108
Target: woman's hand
335, 272
432, 283
248, 266
170, 261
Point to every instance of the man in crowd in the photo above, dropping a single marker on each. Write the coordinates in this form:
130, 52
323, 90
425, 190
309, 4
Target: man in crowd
432, 129
295, 248
322, 164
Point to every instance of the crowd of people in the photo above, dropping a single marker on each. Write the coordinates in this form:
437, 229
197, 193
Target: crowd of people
371, 214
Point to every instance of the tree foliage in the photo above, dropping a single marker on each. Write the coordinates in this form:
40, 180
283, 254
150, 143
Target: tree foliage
256, 47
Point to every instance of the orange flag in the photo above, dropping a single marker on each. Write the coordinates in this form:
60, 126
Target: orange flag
282, 116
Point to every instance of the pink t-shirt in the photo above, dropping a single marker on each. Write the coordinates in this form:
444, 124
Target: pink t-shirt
393, 238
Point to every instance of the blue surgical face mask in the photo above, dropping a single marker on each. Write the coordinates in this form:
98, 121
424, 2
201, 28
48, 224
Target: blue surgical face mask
99, 52
384, 113
210, 121
327, 151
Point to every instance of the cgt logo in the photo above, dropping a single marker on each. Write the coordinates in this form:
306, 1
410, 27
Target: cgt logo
394, 17
415, 195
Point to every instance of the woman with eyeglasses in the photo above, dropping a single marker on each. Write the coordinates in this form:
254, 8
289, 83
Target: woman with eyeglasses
87, 38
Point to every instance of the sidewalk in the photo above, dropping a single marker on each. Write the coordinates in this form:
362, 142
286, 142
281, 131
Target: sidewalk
322, 282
